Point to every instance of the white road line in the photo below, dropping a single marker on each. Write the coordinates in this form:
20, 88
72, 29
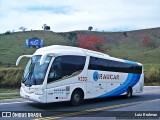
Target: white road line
15, 102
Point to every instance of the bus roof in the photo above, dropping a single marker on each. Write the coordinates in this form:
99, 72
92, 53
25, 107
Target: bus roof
69, 50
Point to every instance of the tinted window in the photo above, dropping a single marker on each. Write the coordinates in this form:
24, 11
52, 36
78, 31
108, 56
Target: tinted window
66, 66
114, 66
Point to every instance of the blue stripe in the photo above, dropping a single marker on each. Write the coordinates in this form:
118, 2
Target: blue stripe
131, 80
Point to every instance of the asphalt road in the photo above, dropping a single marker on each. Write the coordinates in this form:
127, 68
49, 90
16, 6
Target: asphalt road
142, 105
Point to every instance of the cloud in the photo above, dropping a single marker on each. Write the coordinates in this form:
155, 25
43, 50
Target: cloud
69, 15
51, 9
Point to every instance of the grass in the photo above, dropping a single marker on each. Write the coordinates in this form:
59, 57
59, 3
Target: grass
9, 96
148, 57
150, 65
8, 90
13, 45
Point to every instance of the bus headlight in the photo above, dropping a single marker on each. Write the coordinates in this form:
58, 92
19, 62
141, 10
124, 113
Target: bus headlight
40, 92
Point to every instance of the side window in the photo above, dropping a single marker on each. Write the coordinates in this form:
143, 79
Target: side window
67, 66
97, 64
114, 66
102, 64
92, 63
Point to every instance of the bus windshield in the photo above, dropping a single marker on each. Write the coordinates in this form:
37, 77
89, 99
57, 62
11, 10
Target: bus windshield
34, 73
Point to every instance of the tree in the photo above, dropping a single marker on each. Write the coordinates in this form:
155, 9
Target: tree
22, 28
90, 28
46, 27
7, 32
90, 42
125, 34
146, 41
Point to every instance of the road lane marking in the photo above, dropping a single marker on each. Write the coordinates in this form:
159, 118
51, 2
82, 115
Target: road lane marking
14, 102
92, 110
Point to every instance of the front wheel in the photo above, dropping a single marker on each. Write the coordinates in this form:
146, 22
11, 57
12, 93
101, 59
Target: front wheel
129, 92
76, 98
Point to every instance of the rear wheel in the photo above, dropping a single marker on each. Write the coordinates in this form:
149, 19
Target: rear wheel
129, 92
76, 98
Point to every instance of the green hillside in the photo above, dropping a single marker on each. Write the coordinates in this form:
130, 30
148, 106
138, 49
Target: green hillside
141, 46
13, 45
128, 45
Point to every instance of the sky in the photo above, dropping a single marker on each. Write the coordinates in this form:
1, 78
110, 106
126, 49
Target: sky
70, 15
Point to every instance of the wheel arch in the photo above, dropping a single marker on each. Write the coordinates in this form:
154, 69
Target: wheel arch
129, 92
79, 89
130, 87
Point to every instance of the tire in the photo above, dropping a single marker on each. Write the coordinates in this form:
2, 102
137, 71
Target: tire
76, 98
129, 92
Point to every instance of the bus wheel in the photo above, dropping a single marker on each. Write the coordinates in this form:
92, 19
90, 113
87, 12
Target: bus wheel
129, 92
76, 98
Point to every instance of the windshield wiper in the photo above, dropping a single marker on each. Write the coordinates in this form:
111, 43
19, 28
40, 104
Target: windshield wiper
30, 72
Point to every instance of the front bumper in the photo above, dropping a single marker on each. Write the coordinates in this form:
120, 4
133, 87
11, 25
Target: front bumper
32, 96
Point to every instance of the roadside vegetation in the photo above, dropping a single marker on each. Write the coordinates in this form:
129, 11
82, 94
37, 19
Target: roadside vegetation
152, 77
10, 77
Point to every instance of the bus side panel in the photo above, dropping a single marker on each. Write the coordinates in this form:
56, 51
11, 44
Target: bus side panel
103, 82
131, 80
112, 85
56, 94
63, 93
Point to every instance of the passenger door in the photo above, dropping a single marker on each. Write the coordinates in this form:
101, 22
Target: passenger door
62, 74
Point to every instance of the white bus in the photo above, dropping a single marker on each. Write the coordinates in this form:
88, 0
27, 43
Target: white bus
63, 73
